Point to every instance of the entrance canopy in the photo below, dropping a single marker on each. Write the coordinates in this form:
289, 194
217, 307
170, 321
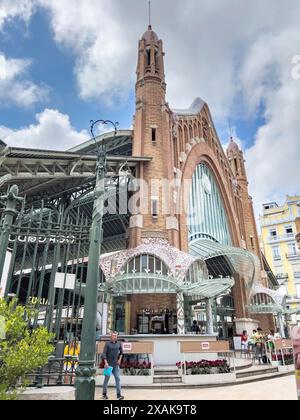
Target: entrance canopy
222, 260
266, 301
156, 267
143, 283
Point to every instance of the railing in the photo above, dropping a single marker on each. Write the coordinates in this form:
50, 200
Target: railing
292, 299
279, 352
272, 352
265, 223
292, 255
57, 372
281, 237
282, 276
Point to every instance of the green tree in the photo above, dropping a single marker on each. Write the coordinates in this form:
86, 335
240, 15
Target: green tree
23, 350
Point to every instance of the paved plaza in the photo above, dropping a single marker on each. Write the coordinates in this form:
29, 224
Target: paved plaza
274, 389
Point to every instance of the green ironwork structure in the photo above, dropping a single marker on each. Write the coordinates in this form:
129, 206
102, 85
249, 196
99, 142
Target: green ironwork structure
45, 226
272, 309
227, 261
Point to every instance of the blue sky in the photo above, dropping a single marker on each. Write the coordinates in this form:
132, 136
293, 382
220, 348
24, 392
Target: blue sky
68, 61
54, 67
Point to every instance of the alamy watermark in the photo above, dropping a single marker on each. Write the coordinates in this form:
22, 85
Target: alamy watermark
2, 328
296, 67
158, 196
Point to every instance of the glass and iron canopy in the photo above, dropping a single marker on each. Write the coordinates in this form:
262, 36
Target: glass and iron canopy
227, 261
209, 232
156, 267
207, 217
266, 301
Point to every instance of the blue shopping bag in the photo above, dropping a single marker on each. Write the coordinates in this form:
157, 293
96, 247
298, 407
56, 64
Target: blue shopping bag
108, 371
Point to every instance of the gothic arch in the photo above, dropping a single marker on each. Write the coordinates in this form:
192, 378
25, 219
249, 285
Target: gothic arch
201, 152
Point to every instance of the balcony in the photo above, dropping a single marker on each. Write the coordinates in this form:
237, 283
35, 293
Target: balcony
282, 278
282, 238
276, 222
298, 240
293, 256
290, 300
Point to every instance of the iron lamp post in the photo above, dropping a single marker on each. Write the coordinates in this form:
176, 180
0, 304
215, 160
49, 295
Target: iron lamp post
11, 201
85, 381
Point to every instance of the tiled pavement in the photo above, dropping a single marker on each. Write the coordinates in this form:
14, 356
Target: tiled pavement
274, 389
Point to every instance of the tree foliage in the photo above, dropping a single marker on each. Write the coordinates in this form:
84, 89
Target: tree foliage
23, 349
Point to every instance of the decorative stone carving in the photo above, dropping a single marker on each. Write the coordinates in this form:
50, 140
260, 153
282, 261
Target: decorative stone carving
172, 223
137, 221
182, 157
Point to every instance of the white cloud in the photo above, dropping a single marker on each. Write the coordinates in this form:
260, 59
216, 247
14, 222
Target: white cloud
11, 9
236, 55
104, 48
15, 88
53, 131
274, 160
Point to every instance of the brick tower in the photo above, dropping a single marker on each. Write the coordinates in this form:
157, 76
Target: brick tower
247, 224
152, 138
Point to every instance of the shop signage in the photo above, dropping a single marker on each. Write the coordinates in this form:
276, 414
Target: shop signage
205, 346
38, 301
127, 347
296, 346
65, 281
60, 239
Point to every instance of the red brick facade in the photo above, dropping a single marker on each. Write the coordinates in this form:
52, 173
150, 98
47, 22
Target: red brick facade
177, 144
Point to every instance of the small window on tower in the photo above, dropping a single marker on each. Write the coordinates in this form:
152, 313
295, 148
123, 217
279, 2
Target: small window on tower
148, 57
236, 165
154, 207
153, 135
156, 61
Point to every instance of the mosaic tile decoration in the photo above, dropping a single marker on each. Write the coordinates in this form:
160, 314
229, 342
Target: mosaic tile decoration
178, 262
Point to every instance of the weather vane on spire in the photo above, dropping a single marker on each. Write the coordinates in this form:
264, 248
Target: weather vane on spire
230, 129
149, 13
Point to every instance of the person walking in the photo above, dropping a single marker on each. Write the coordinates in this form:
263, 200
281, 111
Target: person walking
112, 357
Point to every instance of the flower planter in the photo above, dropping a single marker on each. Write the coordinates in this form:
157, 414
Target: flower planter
209, 379
205, 368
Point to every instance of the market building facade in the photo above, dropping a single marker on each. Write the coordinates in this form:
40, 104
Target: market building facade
179, 229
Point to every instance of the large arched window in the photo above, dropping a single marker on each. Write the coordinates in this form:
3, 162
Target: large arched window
262, 299
207, 217
146, 264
